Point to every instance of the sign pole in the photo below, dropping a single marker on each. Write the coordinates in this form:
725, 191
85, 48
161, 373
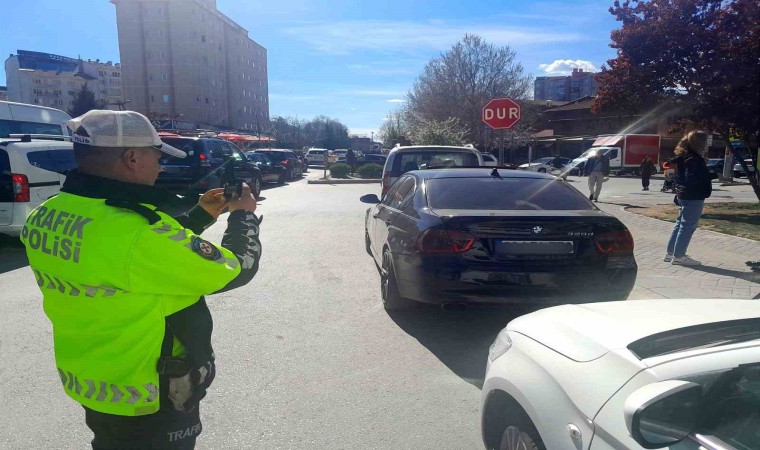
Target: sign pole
501, 148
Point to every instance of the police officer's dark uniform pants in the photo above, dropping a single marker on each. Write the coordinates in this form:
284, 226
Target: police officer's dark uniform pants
167, 429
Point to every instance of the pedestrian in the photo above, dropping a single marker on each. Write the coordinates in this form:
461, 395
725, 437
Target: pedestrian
351, 160
123, 284
647, 169
597, 169
693, 185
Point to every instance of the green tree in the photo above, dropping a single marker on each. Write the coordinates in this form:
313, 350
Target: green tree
84, 101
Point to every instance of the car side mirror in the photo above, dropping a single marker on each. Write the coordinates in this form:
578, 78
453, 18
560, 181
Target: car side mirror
370, 198
662, 414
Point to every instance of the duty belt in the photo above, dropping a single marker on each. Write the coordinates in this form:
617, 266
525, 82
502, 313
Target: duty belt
173, 367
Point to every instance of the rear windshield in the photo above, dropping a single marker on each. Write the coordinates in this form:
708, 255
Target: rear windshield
408, 161
316, 152
6, 182
495, 193
275, 156
190, 146
8, 127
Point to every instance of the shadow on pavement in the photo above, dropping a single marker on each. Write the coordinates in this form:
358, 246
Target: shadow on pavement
12, 254
725, 272
458, 338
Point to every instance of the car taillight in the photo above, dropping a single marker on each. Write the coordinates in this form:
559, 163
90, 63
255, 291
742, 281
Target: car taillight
444, 241
614, 242
204, 160
386, 182
284, 162
20, 188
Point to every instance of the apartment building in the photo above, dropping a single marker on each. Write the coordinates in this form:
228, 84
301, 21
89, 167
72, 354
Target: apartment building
53, 80
185, 60
565, 88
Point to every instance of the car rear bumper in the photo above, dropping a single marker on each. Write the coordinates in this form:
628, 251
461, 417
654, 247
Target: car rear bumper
440, 285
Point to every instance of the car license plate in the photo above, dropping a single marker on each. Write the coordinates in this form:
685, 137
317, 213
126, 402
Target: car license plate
535, 247
520, 279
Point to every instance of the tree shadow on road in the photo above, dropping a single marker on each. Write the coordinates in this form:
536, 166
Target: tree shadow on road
459, 338
12, 254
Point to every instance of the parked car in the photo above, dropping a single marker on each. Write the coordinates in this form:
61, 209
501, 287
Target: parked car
545, 165
372, 159
715, 165
286, 158
494, 236
271, 172
31, 171
739, 170
404, 159
489, 160
204, 166
316, 156
678, 374
20, 118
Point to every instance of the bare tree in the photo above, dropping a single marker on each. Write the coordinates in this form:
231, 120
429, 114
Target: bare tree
446, 132
394, 129
461, 81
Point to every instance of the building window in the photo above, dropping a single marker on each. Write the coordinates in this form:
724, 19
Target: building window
152, 98
245, 109
161, 33
164, 77
203, 38
160, 11
162, 54
37, 101
243, 92
197, 99
207, 100
150, 77
166, 98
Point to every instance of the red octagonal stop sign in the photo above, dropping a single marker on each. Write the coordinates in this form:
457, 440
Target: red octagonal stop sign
501, 113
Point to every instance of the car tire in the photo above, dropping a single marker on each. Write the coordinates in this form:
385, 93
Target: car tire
282, 178
367, 243
520, 434
256, 187
392, 299
541, 170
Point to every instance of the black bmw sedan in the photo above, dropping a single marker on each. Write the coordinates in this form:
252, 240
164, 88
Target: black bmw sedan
482, 235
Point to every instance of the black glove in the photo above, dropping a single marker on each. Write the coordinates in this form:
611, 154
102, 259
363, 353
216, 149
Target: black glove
187, 391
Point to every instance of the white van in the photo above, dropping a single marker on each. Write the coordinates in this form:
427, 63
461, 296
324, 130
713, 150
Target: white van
31, 171
20, 118
405, 159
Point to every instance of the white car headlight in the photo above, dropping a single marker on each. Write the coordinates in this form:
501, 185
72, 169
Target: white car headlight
499, 346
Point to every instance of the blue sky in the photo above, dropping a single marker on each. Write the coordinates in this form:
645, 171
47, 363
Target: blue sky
349, 59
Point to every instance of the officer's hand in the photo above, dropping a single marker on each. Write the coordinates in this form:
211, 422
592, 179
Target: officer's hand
213, 202
246, 201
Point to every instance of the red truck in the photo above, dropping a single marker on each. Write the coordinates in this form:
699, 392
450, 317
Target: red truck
626, 151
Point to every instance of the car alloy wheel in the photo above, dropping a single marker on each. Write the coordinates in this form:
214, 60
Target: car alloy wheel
514, 439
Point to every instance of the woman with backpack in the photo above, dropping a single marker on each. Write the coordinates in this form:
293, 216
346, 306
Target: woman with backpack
693, 186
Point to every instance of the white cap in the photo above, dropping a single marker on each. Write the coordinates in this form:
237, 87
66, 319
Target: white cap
118, 129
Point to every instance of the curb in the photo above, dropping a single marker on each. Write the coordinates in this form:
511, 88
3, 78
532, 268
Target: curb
346, 181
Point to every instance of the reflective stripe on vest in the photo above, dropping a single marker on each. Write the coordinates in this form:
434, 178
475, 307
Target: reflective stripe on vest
103, 391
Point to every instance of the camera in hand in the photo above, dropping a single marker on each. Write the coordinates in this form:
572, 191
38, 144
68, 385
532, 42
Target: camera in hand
231, 183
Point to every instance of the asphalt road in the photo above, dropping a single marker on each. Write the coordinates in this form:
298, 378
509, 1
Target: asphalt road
307, 356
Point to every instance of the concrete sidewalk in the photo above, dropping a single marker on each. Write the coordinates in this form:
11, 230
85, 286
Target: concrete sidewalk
723, 273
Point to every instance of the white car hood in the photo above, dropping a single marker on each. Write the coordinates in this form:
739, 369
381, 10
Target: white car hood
589, 331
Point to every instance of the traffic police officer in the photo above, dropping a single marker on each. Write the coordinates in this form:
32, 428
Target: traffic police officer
123, 284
